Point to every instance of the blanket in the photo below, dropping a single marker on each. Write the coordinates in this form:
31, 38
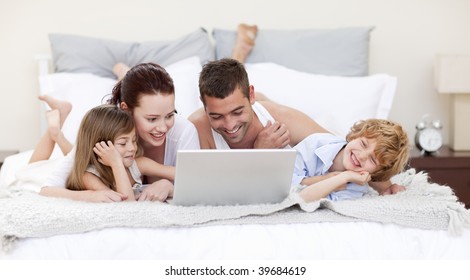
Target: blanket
423, 205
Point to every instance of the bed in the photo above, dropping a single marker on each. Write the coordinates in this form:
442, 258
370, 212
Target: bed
290, 67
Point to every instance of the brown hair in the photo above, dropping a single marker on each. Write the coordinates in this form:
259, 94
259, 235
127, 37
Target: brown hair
391, 150
102, 123
221, 78
145, 78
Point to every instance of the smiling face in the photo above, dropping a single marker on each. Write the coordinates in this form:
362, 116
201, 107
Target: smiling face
154, 117
231, 116
359, 155
126, 145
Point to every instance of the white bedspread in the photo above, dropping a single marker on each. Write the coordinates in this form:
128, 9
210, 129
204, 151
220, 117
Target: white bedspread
423, 205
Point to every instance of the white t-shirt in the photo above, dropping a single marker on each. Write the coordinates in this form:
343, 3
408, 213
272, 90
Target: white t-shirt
182, 136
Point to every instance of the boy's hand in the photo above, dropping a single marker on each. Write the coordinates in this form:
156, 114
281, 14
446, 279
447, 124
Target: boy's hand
360, 178
272, 136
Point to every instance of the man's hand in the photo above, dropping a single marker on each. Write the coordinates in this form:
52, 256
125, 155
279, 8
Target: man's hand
272, 136
393, 189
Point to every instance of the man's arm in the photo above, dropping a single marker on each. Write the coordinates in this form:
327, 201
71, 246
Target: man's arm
298, 123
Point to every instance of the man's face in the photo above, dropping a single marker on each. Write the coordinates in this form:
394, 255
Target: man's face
232, 116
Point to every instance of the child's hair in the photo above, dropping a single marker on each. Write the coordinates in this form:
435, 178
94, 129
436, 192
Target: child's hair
391, 150
102, 123
220, 78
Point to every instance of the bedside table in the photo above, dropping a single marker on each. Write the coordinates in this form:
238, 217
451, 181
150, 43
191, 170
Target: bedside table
4, 154
446, 167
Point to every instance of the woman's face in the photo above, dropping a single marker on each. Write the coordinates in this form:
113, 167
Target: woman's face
154, 116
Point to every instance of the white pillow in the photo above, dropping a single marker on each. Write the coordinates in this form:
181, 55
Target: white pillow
86, 91
336, 103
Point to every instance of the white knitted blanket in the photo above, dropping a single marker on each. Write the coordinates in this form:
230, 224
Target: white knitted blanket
422, 205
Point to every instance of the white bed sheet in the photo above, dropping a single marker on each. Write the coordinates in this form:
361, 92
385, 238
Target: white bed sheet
325, 240
358, 240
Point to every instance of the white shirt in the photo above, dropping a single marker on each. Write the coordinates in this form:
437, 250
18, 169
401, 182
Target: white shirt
315, 155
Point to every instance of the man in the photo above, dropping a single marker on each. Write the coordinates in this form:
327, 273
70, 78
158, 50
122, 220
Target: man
233, 119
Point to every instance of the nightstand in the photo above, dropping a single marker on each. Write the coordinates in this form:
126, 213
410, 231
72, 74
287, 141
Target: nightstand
4, 154
446, 167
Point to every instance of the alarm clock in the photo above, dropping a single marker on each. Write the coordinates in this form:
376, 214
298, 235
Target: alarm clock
428, 138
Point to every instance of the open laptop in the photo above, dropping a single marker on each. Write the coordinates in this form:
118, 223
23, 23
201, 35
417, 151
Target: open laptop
233, 177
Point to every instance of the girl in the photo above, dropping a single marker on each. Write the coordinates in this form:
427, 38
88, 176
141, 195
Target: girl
105, 154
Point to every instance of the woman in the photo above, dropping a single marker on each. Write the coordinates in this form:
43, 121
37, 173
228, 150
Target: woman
147, 92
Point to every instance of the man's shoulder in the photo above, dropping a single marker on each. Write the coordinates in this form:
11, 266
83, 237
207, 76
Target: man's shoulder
198, 116
276, 110
203, 127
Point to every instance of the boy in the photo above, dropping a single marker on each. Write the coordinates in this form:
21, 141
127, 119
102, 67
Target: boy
331, 167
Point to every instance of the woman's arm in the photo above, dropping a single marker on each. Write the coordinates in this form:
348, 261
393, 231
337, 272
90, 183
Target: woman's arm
323, 188
149, 167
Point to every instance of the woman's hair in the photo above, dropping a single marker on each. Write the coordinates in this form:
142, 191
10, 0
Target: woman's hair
145, 78
221, 78
391, 150
102, 123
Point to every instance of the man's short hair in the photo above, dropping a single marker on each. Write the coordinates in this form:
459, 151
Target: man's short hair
220, 78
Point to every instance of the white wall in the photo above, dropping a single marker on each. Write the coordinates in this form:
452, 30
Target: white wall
407, 36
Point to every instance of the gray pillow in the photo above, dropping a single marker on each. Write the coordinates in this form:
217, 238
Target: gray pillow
339, 52
78, 54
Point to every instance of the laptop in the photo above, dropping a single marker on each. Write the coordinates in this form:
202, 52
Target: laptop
233, 177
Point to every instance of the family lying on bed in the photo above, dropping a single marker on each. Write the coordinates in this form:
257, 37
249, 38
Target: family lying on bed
138, 134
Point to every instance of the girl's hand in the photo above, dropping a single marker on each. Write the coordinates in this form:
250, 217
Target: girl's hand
102, 196
159, 190
107, 153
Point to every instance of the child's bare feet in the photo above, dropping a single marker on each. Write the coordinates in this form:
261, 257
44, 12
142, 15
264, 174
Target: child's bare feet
53, 124
63, 107
120, 70
246, 35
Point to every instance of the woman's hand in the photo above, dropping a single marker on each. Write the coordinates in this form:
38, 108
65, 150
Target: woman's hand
157, 191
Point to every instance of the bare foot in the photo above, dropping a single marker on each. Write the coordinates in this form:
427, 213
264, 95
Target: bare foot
53, 123
63, 107
246, 35
120, 70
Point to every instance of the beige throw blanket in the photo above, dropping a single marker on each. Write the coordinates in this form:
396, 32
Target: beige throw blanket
422, 205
